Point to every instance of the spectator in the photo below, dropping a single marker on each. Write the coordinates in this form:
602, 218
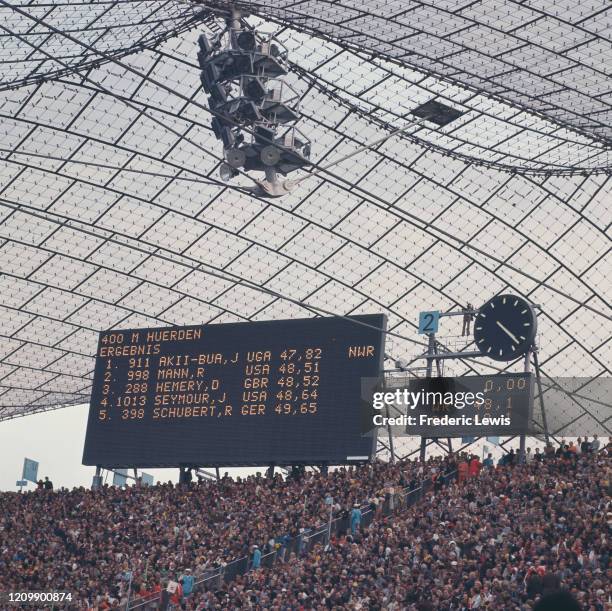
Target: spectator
488, 461
595, 444
355, 519
462, 470
468, 317
508, 459
187, 583
550, 583
256, 559
176, 593
533, 583
165, 596
474, 467
488, 544
585, 446
48, 484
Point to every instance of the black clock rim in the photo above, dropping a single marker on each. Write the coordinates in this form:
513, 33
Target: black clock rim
533, 332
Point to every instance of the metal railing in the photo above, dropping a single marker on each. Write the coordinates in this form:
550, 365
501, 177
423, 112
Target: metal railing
303, 543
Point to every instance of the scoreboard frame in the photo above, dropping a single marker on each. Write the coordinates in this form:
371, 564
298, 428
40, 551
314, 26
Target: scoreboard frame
506, 410
101, 449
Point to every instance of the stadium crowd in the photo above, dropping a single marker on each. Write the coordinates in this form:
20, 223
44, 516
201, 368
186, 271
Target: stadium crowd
91, 542
496, 539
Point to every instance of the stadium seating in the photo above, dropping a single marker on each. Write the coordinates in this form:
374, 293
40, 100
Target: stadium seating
494, 541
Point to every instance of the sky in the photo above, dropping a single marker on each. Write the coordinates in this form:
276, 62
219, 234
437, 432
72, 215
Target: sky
54, 439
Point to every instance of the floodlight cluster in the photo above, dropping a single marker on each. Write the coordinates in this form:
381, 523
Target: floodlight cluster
255, 110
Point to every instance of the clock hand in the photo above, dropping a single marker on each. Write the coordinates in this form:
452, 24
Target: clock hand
509, 333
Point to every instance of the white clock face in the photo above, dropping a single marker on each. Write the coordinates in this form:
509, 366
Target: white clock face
505, 327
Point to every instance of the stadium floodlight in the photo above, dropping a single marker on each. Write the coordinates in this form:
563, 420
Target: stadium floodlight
202, 59
223, 133
279, 112
218, 95
246, 93
269, 65
248, 112
264, 135
235, 157
227, 172
255, 90
270, 155
246, 40
236, 65
217, 127
281, 102
210, 75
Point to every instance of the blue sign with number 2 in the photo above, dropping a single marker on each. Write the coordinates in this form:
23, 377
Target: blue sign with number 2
428, 322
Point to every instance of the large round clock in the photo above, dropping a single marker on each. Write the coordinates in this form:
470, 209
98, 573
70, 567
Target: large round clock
505, 327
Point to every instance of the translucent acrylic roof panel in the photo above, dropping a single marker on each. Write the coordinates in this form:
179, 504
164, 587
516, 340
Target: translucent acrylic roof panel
112, 213
548, 57
33, 44
495, 131
528, 82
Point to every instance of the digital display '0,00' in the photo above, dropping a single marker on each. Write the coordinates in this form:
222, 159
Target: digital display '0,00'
282, 392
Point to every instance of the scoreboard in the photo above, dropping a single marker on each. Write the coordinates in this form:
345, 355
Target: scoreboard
238, 394
505, 407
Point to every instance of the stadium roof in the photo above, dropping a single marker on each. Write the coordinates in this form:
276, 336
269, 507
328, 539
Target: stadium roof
112, 213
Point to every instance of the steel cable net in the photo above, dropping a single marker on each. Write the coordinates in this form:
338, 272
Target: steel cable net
526, 85
575, 406
32, 52
112, 216
547, 58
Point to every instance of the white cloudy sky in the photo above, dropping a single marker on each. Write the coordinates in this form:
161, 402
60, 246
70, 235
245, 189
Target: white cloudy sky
54, 439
